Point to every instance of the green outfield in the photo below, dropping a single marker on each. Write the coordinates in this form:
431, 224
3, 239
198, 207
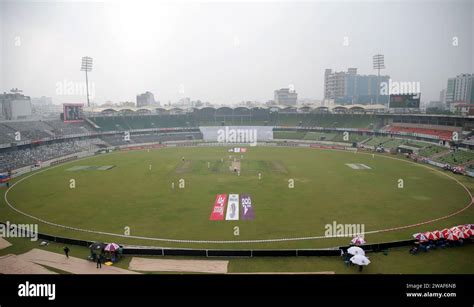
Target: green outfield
118, 192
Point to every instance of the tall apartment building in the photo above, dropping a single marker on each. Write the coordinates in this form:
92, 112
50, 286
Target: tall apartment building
145, 99
463, 88
350, 87
286, 97
460, 90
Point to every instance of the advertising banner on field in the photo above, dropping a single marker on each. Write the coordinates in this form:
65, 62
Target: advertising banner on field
238, 150
247, 209
233, 208
217, 213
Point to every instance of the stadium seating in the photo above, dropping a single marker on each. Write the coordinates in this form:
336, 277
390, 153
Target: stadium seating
432, 150
61, 128
36, 130
7, 134
458, 157
441, 134
32, 154
122, 123
31, 130
319, 136
118, 139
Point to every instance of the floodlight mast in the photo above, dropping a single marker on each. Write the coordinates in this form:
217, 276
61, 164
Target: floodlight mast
87, 67
378, 63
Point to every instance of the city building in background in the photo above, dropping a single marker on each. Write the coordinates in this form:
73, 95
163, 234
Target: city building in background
463, 109
41, 101
145, 99
436, 105
442, 97
286, 97
352, 88
449, 96
463, 88
15, 105
184, 102
44, 108
459, 90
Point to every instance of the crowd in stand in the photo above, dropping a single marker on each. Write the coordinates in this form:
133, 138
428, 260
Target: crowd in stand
33, 155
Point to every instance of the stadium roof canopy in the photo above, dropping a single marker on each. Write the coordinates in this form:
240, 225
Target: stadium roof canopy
233, 110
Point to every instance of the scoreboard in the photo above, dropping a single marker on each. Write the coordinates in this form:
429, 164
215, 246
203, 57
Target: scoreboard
72, 112
406, 101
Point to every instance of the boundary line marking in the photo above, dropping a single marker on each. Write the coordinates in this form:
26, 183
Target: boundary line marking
242, 241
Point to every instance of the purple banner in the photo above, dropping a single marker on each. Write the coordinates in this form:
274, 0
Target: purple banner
247, 209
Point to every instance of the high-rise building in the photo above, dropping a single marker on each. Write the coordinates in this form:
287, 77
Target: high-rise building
449, 97
285, 96
15, 105
460, 90
463, 88
350, 87
145, 99
442, 96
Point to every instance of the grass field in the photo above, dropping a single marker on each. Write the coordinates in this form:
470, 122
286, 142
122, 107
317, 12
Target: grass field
326, 191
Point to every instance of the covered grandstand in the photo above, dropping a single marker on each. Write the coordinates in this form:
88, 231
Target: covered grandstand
157, 125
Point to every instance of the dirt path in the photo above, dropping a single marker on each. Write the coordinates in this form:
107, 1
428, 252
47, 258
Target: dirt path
4, 243
12, 264
72, 264
184, 167
235, 166
278, 166
194, 266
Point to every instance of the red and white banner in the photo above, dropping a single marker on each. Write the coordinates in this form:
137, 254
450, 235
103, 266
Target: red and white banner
232, 213
217, 213
238, 150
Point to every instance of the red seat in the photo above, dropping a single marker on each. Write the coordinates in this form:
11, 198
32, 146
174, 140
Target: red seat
442, 134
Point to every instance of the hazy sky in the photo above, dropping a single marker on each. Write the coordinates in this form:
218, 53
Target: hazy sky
227, 52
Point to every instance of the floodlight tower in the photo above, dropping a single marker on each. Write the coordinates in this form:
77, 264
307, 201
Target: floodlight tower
87, 67
379, 63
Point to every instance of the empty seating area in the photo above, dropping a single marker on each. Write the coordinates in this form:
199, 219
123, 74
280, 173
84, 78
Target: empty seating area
392, 142
441, 134
118, 139
386, 142
345, 121
32, 130
125, 123
458, 157
36, 130
290, 135
61, 128
319, 136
